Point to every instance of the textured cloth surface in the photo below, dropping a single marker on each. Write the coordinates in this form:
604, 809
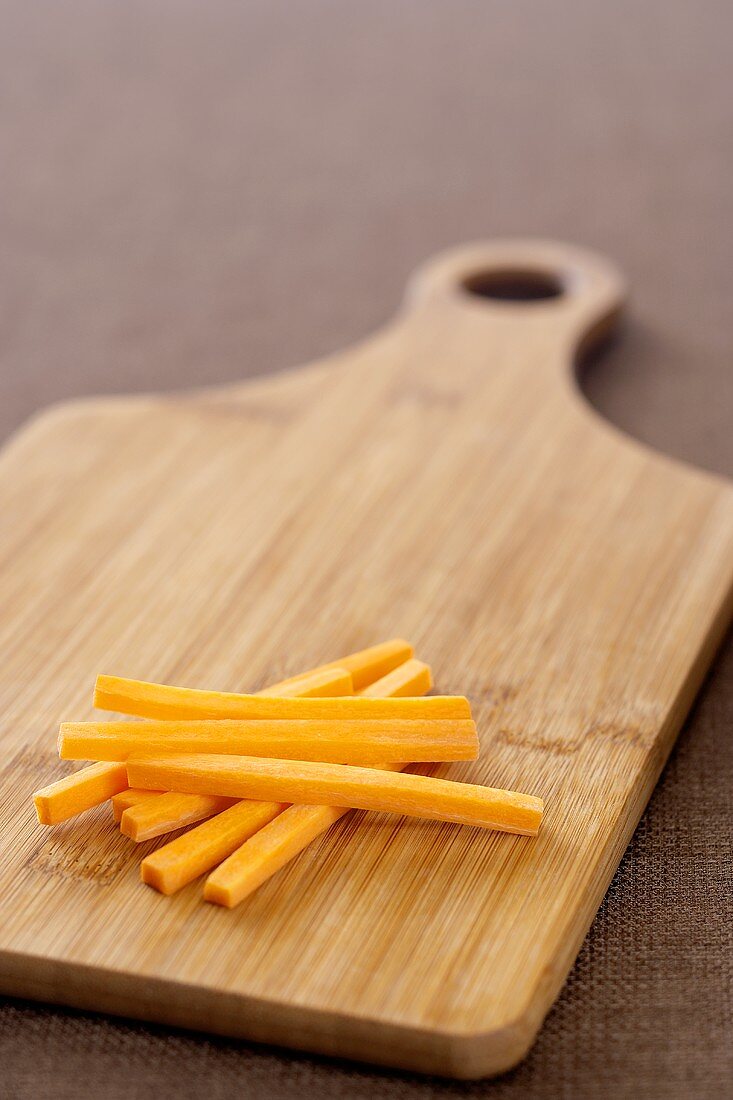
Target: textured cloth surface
192, 193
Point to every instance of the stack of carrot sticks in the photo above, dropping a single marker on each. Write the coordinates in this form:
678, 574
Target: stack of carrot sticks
266, 774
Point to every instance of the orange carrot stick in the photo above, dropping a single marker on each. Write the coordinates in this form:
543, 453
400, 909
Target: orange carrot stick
325, 682
78, 792
410, 679
309, 782
267, 852
165, 701
368, 665
368, 742
167, 812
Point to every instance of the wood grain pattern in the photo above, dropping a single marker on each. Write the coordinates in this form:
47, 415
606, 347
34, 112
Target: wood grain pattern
444, 482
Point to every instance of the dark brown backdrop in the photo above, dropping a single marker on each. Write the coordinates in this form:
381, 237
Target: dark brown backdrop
201, 191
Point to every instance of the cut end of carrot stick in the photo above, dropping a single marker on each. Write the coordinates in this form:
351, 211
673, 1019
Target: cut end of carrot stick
44, 809
78, 792
153, 876
219, 895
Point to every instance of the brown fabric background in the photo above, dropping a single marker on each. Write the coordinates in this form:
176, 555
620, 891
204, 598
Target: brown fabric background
195, 192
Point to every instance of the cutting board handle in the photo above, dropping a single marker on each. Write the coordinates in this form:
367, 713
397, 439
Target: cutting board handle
527, 282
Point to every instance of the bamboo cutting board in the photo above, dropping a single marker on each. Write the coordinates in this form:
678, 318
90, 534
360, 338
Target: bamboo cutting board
444, 481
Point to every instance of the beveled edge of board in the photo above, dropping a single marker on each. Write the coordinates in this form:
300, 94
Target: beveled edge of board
459, 1054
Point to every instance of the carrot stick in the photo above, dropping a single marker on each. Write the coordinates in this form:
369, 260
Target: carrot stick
197, 851
167, 702
78, 792
267, 851
164, 703
130, 797
368, 742
368, 665
167, 812
410, 679
318, 683
339, 785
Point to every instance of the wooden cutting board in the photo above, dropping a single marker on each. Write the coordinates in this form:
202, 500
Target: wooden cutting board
444, 481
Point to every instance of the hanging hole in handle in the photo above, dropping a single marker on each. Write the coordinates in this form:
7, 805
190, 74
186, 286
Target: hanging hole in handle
520, 285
